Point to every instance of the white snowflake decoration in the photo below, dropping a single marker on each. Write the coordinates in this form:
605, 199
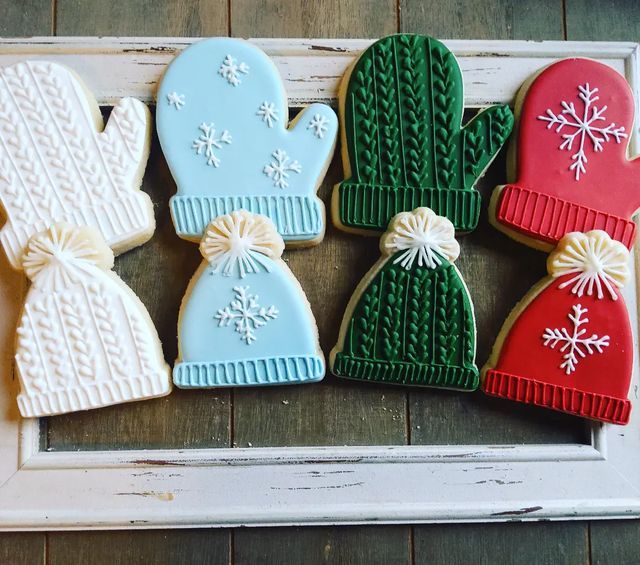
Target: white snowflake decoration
208, 141
246, 314
584, 129
318, 125
280, 167
176, 100
230, 69
267, 111
575, 345
421, 235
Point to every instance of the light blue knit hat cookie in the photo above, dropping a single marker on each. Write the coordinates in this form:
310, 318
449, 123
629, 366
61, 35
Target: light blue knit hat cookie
245, 320
222, 120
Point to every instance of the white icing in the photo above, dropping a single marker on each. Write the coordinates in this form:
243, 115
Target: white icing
246, 314
421, 235
208, 140
596, 262
279, 168
237, 243
319, 125
268, 112
84, 341
55, 164
230, 69
176, 100
583, 128
575, 345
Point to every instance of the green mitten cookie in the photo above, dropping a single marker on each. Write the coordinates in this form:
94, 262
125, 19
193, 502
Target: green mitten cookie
403, 145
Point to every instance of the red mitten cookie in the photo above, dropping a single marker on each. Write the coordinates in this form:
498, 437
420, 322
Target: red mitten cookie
568, 344
575, 120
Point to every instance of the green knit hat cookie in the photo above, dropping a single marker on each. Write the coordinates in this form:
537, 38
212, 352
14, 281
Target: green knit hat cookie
403, 145
410, 321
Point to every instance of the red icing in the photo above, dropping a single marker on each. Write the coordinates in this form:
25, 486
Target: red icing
547, 201
599, 385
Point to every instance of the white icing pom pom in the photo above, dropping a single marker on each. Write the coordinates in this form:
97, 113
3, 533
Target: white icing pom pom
60, 255
240, 239
422, 235
595, 260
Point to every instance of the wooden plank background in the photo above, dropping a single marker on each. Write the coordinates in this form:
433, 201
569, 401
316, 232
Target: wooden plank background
333, 412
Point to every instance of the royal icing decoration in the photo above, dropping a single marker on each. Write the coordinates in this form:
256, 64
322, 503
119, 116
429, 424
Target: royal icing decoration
231, 70
402, 106
261, 165
176, 100
584, 130
58, 164
245, 320
84, 338
572, 172
280, 168
208, 141
569, 345
245, 314
268, 113
411, 320
574, 343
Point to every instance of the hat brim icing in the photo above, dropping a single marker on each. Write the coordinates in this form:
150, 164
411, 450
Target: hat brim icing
250, 372
556, 397
371, 207
440, 376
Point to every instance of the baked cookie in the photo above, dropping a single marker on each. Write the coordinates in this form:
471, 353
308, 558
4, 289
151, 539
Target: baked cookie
58, 163
223, 123
245, 320
84, 338
403, 146
570, 159
410, 321
568, 344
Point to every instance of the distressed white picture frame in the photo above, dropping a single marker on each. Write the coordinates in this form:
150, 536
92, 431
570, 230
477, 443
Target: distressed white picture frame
308, 485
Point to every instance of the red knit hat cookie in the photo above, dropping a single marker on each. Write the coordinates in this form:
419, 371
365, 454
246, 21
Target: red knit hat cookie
568, 345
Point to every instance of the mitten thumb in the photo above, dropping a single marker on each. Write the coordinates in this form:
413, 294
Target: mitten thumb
319, 123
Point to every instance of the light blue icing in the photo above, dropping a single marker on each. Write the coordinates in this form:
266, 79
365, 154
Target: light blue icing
193, 92
285, 349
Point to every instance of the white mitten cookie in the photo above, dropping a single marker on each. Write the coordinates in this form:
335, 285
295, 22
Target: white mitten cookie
84, 338
223, 122
57, 163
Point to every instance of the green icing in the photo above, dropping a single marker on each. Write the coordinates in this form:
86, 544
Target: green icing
402, 119
414, 327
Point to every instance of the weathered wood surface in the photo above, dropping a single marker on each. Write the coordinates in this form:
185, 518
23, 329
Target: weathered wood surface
333, 412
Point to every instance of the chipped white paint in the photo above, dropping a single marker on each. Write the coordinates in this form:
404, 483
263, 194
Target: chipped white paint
310, 485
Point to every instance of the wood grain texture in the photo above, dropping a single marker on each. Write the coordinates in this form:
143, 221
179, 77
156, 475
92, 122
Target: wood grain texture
506, 544
157, 547
322, 546
25, 18
615, 20
305, 18
22, 549
142, 18
493, 19
615, 542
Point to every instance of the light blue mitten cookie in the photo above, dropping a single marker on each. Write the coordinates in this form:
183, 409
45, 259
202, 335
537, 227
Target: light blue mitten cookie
222, 120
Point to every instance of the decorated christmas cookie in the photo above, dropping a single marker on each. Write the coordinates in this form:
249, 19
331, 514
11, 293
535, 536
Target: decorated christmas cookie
570, 162
568, 344
403, 145
410, 320
245, 320
223, 122
84, 338
57, 163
